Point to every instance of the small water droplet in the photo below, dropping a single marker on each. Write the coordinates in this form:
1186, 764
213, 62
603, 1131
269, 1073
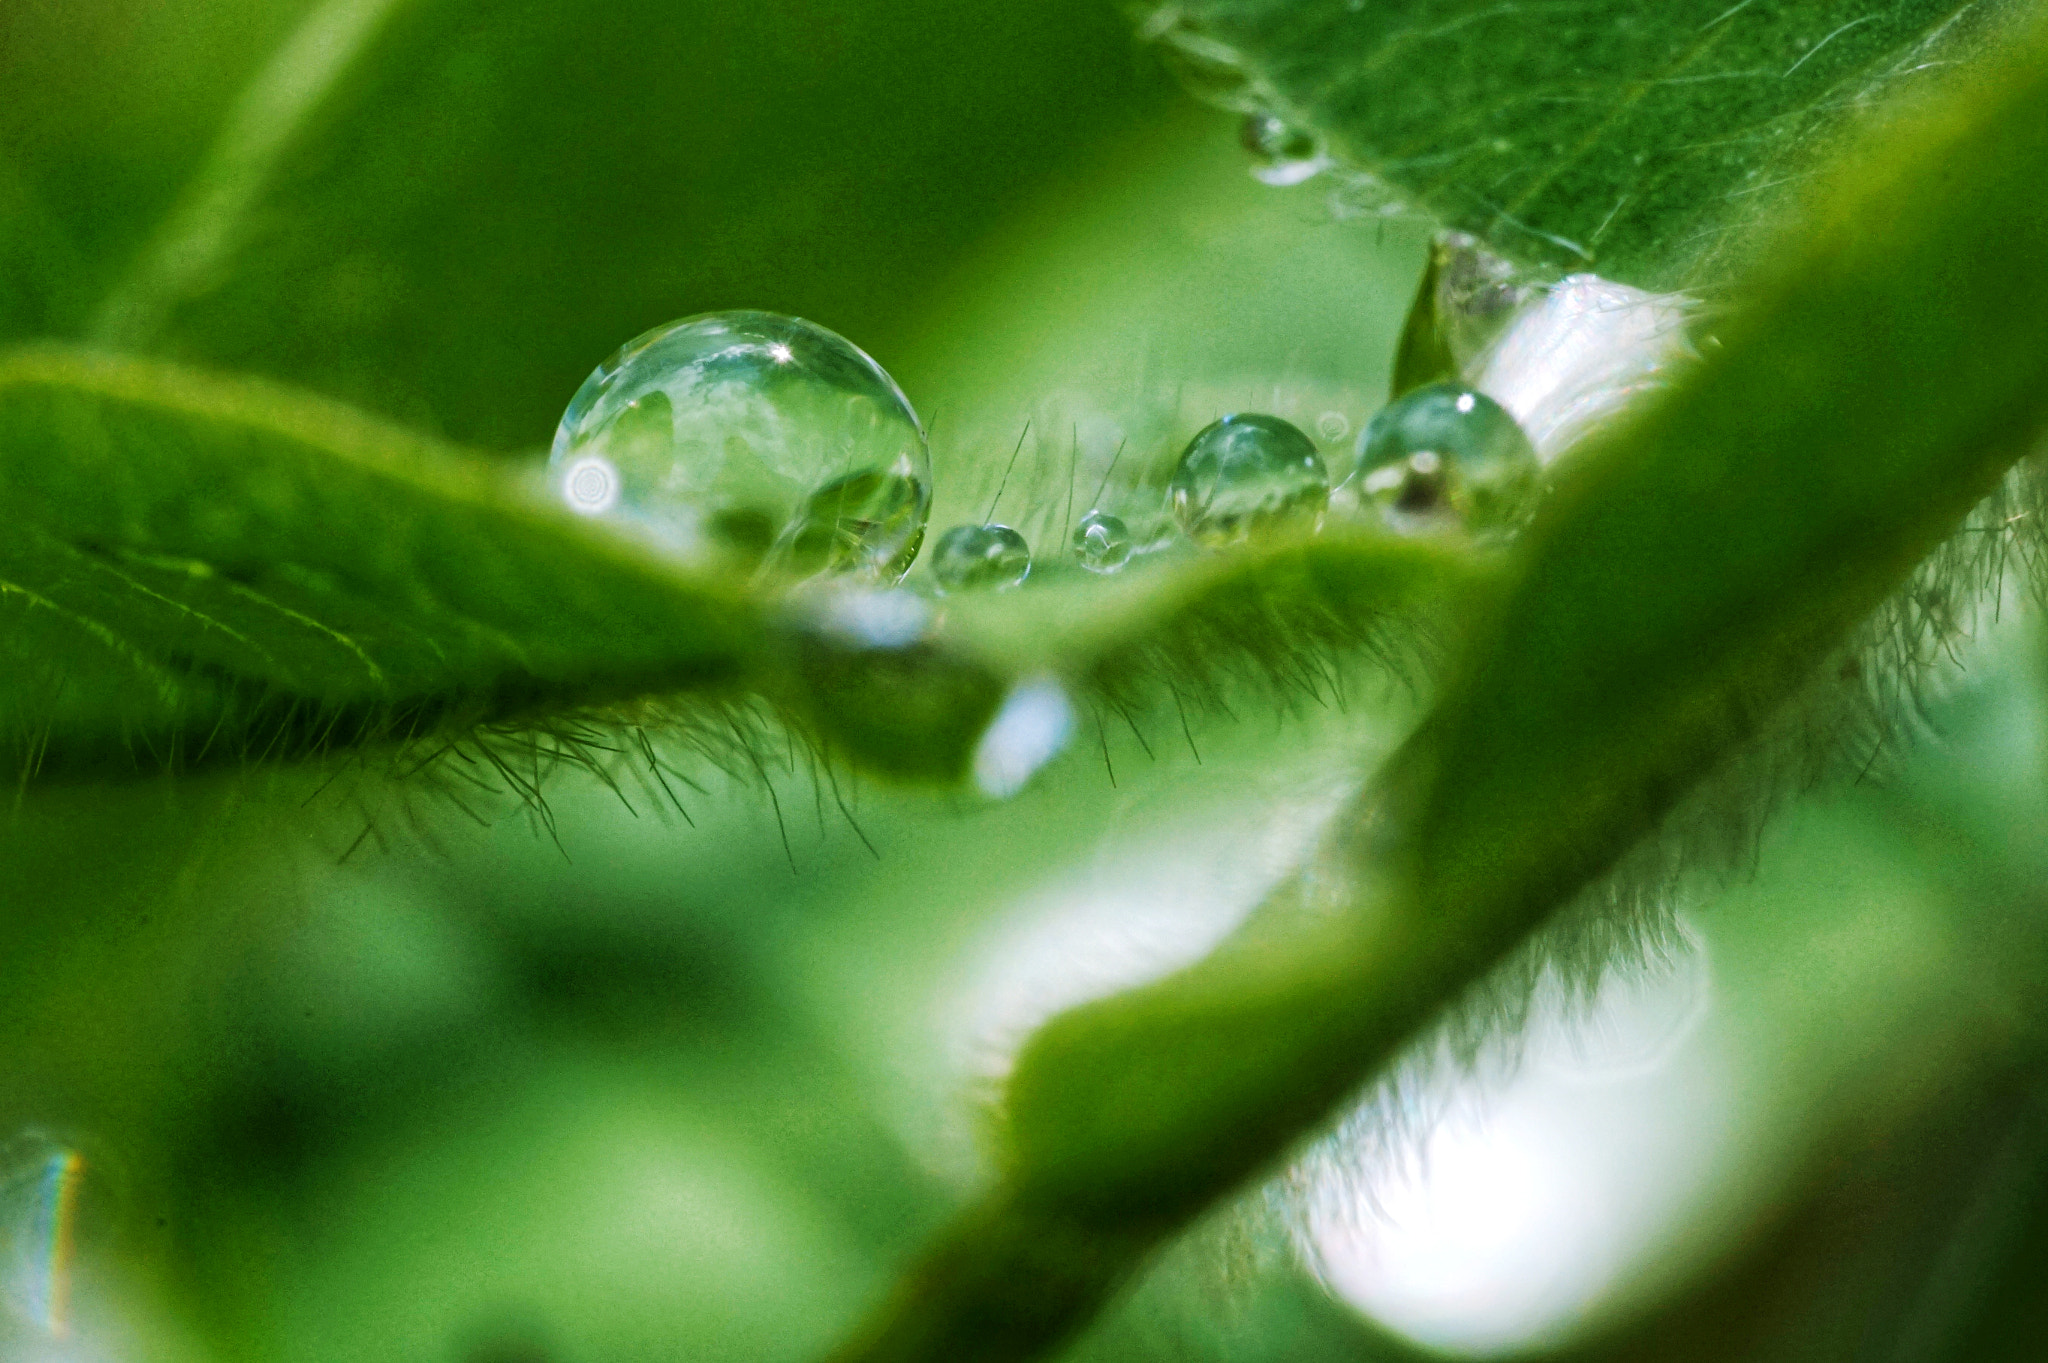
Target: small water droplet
1333, 426
1102, 542
1246, 475
750, 440
1282, 154
1477, 294
970, 557
1447, 455
54, 1202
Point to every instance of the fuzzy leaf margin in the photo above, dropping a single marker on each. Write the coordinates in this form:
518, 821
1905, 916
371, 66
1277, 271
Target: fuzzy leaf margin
198, 566
199, 569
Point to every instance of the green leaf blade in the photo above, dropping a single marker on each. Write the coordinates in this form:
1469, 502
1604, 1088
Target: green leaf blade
202, 568
240, 548
1637, 141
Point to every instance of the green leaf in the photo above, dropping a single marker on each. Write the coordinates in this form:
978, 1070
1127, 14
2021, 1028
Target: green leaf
208, 567
40, 267
1691, 571
1682, 585
1423, 355
1271, 613
200, 568
1635, 140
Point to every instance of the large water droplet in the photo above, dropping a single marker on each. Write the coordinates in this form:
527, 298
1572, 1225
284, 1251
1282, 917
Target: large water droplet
1102, 542
53, 1201
1447, 455
1282, 154
750, 440
1247, 475
968, 557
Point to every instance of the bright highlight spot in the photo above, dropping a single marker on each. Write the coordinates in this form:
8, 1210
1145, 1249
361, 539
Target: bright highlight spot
1030, 729
592, 484
1582, 354
1172, 880
869, 619
1536, 1199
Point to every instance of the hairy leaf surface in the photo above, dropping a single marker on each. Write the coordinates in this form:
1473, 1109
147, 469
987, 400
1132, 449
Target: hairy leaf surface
196, 566
1635, 140
199, 568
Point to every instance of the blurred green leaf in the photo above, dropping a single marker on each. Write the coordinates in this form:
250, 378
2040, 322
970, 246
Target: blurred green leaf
1688, 575
449, 216
40, 269
1684, 580
1638, 141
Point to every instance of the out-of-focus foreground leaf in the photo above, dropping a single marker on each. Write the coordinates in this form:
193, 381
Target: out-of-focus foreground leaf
1635, 140
1687, 578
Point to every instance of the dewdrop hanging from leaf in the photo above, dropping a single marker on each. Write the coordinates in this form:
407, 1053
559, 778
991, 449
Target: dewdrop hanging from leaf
1281, 153
753, 441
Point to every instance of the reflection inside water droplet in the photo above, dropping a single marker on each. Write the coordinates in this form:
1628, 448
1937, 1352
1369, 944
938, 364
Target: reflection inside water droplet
1447, 456
1102, 542
1247, 475
971, 557
1282, 154
750, 440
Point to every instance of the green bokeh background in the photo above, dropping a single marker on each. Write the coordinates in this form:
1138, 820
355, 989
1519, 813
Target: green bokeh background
637, 1088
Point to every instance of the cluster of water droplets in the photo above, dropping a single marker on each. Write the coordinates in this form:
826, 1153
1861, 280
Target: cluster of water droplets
767, 444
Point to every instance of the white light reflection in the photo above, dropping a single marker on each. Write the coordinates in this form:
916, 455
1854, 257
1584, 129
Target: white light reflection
591, 485
1292, 171
874, 619
1171, 881
1030, 729
1582, 353
1536, 1197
